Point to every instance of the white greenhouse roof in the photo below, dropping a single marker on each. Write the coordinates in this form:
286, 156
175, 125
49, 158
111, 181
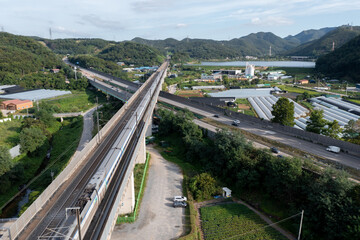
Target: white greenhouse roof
35, 95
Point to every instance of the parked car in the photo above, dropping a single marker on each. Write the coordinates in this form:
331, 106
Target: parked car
280, 156
216, 115
180, 199
274, 150
179, 204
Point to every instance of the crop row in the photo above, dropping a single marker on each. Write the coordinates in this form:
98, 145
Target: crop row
234, 221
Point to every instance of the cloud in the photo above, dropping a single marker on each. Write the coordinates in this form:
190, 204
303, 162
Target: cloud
271, 21
181, 25
150, 5
60, 30
101, 23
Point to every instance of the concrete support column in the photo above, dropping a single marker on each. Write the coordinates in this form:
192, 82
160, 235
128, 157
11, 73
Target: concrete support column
128, 197
149, 126
141, 156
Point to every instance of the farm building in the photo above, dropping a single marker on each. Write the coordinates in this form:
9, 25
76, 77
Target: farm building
16, 104
303, 81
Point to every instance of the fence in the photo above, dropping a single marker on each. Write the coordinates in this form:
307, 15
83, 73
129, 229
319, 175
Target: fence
309, 136
133, 217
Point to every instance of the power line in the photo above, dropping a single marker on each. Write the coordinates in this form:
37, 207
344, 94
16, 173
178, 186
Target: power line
300, 213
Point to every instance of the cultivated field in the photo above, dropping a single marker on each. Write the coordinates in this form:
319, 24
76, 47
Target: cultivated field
235, 221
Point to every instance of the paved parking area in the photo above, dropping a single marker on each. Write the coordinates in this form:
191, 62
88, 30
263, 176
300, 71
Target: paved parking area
157, 218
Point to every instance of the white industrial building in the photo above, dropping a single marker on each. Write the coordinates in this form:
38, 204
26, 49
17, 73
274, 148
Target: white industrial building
250, 70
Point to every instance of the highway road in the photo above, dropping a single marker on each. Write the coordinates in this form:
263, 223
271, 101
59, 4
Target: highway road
316, 149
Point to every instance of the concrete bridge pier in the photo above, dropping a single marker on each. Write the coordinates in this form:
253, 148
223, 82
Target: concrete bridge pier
128, 198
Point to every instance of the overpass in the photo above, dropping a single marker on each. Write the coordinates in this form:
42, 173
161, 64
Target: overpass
84, 200
305, 141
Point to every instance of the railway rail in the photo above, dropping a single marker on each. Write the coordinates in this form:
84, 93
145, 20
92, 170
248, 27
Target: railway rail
51, 225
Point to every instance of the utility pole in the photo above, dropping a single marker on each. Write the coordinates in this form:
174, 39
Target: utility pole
301, 220
77, 209
97, 118
75, 73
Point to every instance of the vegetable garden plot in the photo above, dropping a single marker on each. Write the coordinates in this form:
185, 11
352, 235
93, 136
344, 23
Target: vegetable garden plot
233, 221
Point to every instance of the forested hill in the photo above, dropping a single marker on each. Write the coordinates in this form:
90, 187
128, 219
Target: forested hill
77, 46
22, 55
343, 62
132, 53
339, 36
256, 44
309, 35
26, 62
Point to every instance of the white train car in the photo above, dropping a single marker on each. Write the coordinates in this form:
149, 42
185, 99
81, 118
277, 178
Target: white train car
97, 186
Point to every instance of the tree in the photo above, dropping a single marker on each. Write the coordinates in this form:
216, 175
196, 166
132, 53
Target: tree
45, 116
283, 111
5, 160
352, 129
31, 139
333, 130
317, 122
203, 186
1, 114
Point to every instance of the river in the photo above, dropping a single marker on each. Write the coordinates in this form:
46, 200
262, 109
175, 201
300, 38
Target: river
297, 64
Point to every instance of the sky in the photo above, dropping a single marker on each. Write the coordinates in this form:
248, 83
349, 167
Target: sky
120, 20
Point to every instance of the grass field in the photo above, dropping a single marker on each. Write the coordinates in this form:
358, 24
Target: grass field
297, 90
355, 100
235, 221
189, 93
76, 102
10, 130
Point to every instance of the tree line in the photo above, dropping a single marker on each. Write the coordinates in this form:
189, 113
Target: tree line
331, 202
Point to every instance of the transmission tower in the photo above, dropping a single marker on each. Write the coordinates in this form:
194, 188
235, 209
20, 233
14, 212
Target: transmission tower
50, 33
270, 51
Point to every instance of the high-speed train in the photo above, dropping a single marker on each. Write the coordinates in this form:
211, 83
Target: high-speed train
95, 190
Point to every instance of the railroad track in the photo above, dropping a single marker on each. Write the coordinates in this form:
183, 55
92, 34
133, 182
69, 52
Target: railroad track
102, 214
52, 216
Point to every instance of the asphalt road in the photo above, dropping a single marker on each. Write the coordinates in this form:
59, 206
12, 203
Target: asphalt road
157, 218
316, 149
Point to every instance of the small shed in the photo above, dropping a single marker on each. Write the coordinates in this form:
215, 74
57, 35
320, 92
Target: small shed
226, 192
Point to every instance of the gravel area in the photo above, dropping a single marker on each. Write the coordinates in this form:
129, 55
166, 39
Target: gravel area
157, 218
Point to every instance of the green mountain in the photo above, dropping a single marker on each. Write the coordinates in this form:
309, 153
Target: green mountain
77, 46
256, 44
21, 55
26, 62
132, 53
309, 35
339, 37
344, 62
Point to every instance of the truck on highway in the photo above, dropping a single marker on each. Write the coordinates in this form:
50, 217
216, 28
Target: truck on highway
333, 149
